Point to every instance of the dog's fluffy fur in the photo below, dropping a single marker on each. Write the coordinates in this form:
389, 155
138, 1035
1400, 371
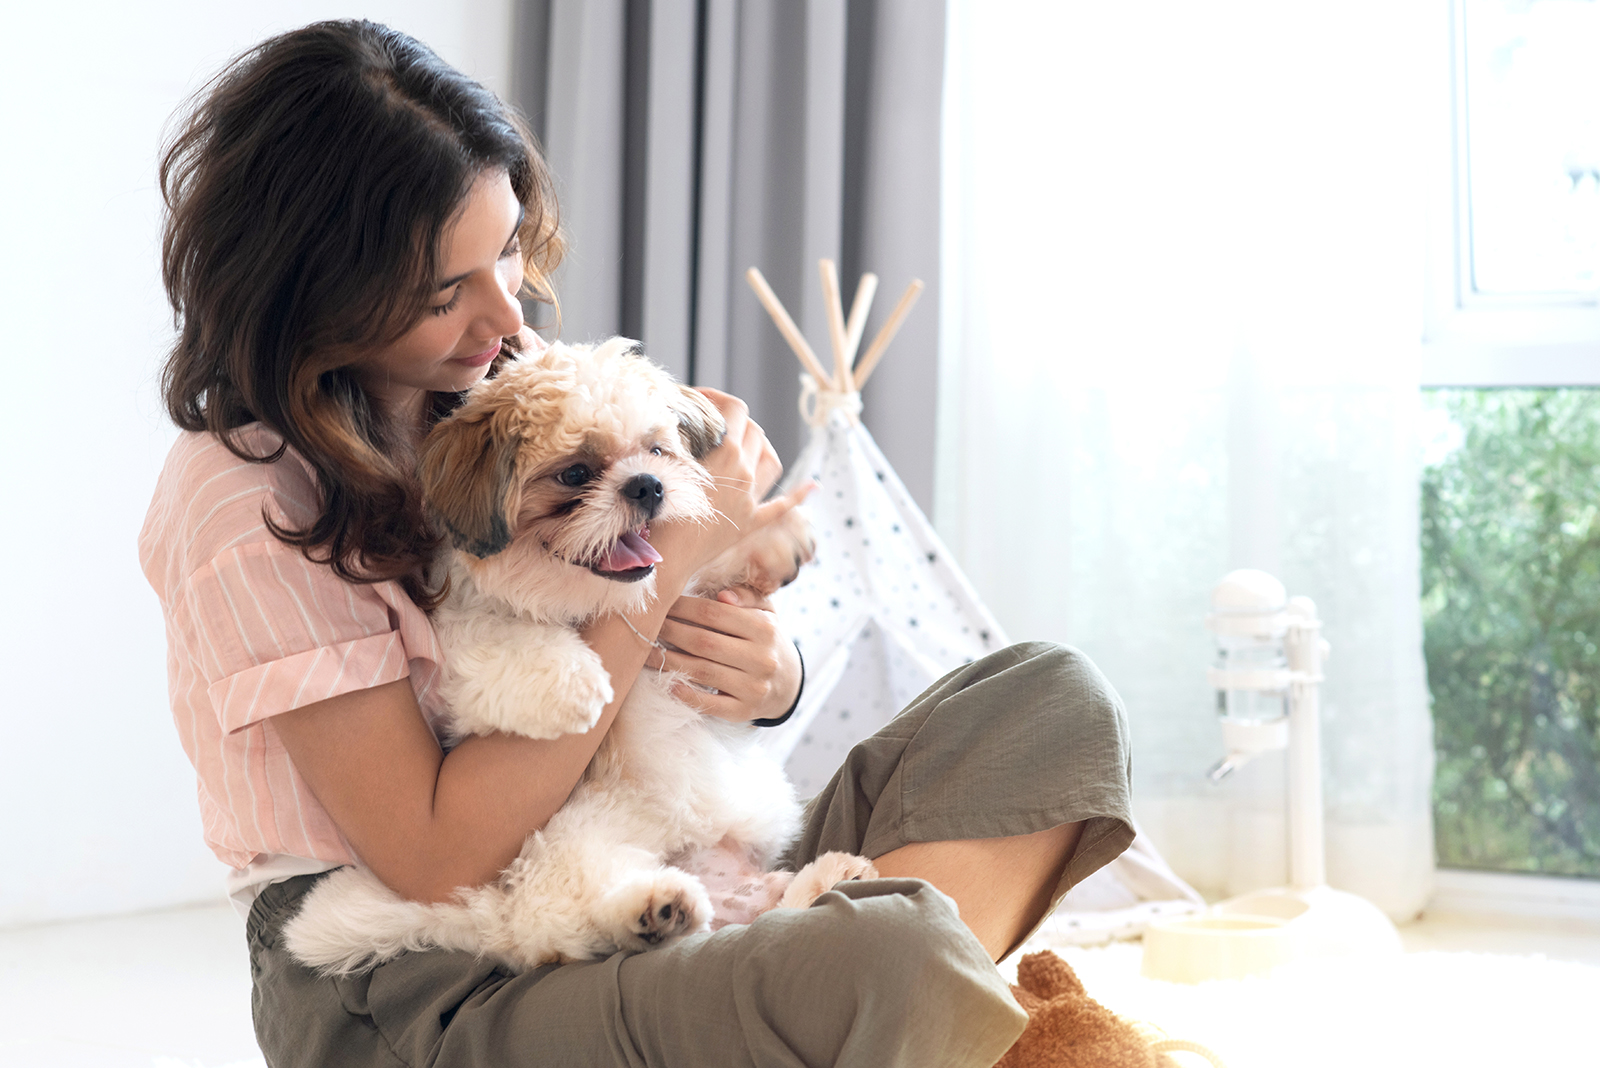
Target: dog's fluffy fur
547, 478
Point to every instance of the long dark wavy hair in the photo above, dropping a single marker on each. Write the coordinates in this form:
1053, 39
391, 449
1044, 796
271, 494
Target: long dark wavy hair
307, 188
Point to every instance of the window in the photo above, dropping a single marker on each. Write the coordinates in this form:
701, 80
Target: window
1515, 294
1530, 142
1511, 476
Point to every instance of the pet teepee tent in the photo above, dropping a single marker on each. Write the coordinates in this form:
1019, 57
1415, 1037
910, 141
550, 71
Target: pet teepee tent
885, 610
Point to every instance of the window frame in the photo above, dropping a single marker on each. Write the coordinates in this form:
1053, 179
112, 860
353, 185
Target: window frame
1472, 339
1467, 892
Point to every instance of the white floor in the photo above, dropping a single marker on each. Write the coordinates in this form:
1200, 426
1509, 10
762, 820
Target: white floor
172, 989
156, 990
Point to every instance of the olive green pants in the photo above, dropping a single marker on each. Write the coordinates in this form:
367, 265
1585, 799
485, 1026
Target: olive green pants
876, 974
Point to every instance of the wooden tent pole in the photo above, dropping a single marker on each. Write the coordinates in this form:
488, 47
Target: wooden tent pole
874, 351
866, 289
834, 305
791, 333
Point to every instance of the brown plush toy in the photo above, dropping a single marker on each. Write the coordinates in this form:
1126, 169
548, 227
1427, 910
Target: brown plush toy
1069, 1029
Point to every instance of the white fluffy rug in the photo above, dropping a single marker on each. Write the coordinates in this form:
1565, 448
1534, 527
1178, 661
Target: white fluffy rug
1417, 1010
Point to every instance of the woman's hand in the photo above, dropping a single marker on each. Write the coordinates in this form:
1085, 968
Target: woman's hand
743, 469
733, 645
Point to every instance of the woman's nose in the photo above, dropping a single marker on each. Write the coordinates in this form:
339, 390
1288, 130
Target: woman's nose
504, 313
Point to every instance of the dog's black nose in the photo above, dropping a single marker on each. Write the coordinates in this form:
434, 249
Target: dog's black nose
645, 493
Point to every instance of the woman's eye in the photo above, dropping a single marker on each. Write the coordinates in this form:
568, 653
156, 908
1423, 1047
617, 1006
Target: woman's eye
513, 249
455, 298
576, 475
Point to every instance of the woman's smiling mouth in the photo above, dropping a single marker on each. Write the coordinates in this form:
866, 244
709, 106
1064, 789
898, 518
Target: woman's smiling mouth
484, 357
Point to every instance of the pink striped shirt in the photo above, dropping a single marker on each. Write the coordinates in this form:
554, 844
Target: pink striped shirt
255, 629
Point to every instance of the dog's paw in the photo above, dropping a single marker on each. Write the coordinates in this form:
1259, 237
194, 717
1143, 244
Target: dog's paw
822, 874
566, 697
765, 560
573, 712
779, 550
655, 910
547, 715
543, 686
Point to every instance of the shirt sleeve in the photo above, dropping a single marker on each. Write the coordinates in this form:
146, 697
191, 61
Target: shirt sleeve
274, 632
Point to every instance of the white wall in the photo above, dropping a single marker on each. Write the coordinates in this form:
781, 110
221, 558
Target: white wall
97, 802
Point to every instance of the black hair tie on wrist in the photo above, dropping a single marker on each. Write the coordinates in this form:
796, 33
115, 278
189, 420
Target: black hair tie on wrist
781, 720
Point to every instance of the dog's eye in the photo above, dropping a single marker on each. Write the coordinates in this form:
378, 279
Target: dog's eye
576, 475
656, 450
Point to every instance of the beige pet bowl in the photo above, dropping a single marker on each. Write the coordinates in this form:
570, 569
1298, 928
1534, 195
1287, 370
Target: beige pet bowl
1195, 949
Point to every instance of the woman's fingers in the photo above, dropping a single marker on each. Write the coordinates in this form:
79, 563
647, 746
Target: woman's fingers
744, 597
775, 509
753, 449
744, 467
734, 648
741, 638
768, 468
805, 489
708, 673
712, 704
735, 413
754, 453
719, 690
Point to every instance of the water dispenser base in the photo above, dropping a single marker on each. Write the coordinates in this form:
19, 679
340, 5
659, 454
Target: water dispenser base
1255, 932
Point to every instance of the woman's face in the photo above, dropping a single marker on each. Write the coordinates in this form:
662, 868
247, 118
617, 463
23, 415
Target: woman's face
474, 307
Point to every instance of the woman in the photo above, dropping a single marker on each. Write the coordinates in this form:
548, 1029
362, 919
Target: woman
350, 223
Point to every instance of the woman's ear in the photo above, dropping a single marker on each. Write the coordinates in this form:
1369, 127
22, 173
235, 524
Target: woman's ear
469, 480
699, 422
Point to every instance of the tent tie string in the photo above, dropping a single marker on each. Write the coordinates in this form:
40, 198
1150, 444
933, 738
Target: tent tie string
817, 403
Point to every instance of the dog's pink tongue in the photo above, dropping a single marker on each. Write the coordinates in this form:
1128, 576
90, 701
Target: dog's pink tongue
629, 552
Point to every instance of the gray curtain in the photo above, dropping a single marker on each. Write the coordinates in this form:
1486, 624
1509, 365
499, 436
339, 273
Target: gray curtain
692, 139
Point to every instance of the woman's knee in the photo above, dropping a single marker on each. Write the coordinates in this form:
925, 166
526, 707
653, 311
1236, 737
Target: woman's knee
893, 926
1067, 672
917, 987
1050, 694
1063, 683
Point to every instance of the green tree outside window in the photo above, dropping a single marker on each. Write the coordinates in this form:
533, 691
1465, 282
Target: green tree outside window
1511, 611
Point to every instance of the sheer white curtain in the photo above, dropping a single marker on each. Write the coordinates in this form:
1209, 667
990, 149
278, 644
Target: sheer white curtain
1183, 249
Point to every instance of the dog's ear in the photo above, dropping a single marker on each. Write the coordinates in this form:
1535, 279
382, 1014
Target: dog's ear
699, 422
469, 479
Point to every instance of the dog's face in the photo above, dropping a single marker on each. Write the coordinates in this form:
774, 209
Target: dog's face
549, 476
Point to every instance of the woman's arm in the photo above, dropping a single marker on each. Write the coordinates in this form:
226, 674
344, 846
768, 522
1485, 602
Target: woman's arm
427, 822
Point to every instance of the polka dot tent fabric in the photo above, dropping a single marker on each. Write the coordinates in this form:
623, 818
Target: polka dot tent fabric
880, 614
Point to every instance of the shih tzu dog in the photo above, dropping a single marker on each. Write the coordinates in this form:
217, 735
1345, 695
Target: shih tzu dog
547, 479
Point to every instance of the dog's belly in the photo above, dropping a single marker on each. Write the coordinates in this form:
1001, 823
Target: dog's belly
687, 780
740, 886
